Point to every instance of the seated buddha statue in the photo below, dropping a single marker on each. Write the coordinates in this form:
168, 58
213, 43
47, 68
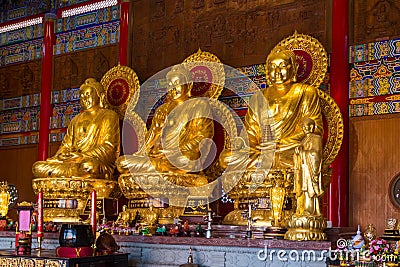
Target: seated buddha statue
273, 122
178, 139
91, 143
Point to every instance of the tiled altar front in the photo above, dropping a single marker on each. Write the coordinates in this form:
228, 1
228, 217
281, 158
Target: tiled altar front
157, 251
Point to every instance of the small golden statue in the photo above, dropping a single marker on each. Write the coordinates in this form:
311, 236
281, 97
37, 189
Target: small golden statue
124, 217
308, 177
4, 198
175, 140
85, 160
91, 144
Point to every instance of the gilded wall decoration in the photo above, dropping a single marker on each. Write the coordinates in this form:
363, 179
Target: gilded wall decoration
239, 32
20, 79
73, 68
376, 20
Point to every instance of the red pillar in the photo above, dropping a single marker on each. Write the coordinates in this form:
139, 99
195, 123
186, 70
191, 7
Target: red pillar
45, 99
339, 71
124, 33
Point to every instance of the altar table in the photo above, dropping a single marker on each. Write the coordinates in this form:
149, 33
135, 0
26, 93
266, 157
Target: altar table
47, 258
159, 251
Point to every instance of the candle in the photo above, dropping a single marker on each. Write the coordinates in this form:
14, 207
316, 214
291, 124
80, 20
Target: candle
40, 214
93, 221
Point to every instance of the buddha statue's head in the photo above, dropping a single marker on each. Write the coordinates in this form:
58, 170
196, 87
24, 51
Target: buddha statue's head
281, 66
179, 82
91, 94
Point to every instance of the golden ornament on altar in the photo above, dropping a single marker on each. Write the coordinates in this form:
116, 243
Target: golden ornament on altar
4, 198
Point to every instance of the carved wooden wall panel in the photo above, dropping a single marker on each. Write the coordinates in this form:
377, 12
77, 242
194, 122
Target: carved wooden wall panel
240, 32
20, 79
376, 20
374, 161
16, 168
71, 70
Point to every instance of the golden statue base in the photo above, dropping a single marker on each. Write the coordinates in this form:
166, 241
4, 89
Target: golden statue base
260, 217
173, 188
61, 215
65, 198
306, 227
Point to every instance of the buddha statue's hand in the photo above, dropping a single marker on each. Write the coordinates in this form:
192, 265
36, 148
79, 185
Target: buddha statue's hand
88, 166
70, 156
124, 163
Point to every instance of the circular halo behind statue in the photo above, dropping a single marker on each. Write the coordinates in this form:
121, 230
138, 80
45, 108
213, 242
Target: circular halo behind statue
208, 79
122, 86
310, 55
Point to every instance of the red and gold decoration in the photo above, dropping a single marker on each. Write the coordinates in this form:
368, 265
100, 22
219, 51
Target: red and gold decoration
310, 55
23, 234
207, 73
123, 88
40, 218
93, 211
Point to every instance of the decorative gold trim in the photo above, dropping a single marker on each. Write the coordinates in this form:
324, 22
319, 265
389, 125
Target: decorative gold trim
137, 124
333, 116
24, 204
315, 50
76, 187
130, 77
216, 68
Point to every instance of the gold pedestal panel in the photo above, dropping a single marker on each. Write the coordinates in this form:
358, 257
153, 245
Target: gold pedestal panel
306, 227
173, 188
65, 198
254, 185
261, 218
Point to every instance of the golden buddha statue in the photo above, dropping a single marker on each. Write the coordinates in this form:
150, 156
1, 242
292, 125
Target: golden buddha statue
91, 144
273, 120
273, 131
177, 139
308, 176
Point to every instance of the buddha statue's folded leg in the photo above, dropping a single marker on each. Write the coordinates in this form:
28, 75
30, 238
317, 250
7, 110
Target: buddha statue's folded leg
90, 168
134, 163
42, 169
